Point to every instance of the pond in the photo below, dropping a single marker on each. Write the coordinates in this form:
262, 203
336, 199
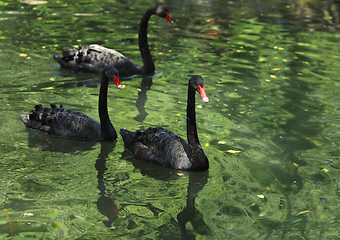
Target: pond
270, 130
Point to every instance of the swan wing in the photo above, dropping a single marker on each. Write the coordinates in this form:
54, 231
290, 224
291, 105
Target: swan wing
62, 122
94, 58
158, 145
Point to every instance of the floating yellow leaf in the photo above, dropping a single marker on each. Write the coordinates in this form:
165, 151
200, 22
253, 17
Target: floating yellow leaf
260, 196
300, 74
178, 114
23, 55
325, 170
206, 145
276, 69
139, 90
78, 40
303, 212
160, 53
281, 137
180, 174
281, 48
267, 80
233, 151
221, 142
261, 59
39, 18
28, 214
262, 214
273, 76
295, 164
56, 45
169, 50
43, 47
47, 88
199, 106
268, 188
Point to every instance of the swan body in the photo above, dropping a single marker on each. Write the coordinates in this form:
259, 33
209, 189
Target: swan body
68, 123
164, 147
94, 58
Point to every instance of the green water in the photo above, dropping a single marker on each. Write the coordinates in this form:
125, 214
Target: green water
270, 131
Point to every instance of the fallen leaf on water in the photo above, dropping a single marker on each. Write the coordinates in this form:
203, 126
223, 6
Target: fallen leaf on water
139, 90
268, 188
300, 74
47, 88
325, 170
262, 214
267, 80
276, 69
273, 76
295, 164
233, 151
23, 55
281, 48
206, 145
160, 53
303, 212
221, 142
261, 59
260, 196
211, 32
199, 106
180, 174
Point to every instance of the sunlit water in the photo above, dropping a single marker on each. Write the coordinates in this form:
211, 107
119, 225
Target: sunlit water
270, 131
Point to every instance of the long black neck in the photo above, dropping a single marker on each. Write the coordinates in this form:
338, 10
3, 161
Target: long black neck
107, 130
148, 64
197, 157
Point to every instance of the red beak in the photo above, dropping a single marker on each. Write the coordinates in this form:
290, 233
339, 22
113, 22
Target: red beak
168, 18
201, 90
116, 81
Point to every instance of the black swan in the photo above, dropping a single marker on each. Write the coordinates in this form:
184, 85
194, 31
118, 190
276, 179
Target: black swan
95, 58
166, 148
68, 123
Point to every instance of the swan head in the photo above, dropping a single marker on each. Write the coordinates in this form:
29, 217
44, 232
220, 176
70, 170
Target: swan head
112, 73
197, 83
163, 12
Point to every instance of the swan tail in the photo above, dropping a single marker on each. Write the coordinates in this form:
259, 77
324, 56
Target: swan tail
39, 117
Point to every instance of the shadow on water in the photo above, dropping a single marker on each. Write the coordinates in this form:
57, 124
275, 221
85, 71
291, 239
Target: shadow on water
50, 143
44, 142
197, 180
105, 204
142, 97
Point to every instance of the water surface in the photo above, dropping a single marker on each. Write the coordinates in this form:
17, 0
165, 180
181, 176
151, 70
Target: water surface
270, 131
